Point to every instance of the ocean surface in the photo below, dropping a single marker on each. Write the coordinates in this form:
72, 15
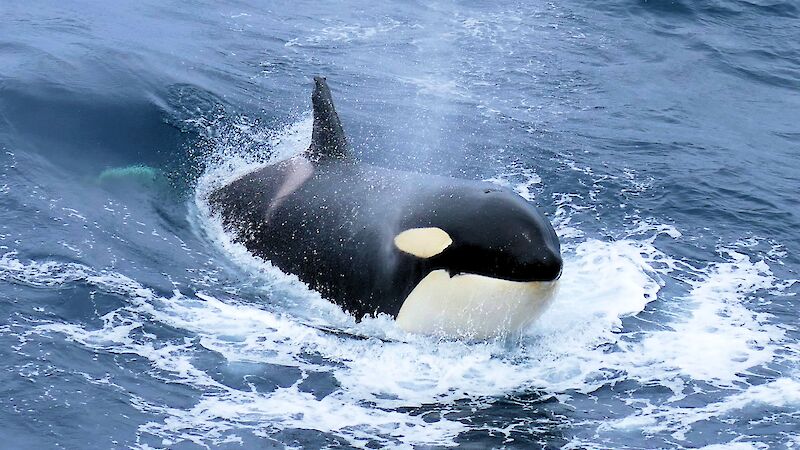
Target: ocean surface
661, 137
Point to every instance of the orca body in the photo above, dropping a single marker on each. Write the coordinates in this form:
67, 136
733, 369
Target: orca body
442, 255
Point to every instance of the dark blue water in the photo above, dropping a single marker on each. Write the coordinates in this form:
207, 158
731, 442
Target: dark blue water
661, 138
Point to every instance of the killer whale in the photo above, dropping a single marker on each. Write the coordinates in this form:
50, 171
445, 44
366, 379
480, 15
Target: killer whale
441, 255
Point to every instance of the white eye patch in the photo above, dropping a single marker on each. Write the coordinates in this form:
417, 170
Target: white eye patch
423, 242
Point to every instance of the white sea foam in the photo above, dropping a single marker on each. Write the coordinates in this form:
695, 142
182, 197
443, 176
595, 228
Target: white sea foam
521, 180
782, 393
230, 160
716, 338
387, 374
736, 446
563, 352
344, 33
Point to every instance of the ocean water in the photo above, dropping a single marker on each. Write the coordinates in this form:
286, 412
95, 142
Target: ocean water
660, 137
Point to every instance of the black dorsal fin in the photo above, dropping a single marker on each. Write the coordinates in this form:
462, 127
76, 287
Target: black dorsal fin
327, 138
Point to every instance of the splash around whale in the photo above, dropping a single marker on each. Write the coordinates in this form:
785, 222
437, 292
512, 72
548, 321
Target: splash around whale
443, 256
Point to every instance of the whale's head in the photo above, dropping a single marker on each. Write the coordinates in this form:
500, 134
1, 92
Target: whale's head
490, 262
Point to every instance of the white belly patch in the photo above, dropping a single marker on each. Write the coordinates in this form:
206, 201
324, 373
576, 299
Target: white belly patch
473, 306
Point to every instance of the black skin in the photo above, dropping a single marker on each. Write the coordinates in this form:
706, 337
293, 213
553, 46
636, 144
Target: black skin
336, 231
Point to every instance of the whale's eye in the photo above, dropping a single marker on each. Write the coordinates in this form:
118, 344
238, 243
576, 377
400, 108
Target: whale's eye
423, 242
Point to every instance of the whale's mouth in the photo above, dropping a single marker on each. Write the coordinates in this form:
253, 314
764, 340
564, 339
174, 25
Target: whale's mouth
473, 306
